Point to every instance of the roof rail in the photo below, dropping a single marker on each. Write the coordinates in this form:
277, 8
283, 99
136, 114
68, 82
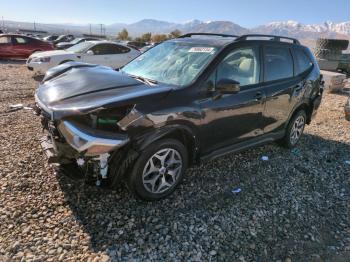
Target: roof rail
273, 38
206, 34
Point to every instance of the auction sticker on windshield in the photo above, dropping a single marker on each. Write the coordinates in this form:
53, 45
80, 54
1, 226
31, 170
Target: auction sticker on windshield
201, 50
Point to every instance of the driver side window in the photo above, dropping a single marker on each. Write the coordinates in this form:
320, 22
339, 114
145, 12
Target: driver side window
241, 65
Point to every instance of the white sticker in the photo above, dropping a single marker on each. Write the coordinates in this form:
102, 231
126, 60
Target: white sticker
201, 50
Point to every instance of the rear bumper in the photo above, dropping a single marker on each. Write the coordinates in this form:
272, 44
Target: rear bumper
316, 102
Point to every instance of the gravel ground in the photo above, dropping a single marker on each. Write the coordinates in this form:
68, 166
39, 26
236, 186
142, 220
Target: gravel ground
294, 207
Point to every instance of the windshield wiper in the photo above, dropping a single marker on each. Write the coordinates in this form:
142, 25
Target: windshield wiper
145, 80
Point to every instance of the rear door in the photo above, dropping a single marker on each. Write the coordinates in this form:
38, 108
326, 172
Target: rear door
103, 54
280, 85
232, 118
6, 46
22, 46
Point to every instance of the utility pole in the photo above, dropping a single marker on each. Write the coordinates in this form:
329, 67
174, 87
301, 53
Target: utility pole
3, 22
90, 29
101, 28
34, 26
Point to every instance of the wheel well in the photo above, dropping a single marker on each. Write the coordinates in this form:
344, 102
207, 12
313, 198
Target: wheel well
308, 110
187, 139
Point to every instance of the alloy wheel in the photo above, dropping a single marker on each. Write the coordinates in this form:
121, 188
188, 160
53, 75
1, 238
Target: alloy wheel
162, 171
297, 129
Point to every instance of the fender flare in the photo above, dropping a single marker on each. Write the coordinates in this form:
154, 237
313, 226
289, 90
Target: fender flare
305, 102
149, 137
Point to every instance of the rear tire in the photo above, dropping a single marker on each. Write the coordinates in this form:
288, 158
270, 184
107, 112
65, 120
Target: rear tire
294, 130
158, 170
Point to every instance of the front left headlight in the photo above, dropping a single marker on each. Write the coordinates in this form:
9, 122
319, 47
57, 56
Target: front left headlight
42, 59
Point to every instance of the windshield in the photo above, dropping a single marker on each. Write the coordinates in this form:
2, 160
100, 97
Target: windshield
171, 62
80, 48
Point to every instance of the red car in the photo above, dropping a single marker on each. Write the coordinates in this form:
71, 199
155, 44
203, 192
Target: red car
20, 46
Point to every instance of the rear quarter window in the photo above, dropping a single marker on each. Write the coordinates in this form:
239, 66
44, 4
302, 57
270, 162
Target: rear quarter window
278, 63
303, 61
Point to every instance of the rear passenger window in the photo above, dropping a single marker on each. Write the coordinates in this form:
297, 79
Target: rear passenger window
21, 40
278, 63
303, 62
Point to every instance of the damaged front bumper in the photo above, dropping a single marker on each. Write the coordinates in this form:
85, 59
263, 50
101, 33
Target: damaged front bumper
89, 141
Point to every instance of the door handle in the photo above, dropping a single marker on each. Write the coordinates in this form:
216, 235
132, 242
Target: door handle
259, 96
297, 88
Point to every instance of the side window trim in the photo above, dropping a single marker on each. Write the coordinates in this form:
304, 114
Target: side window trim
296, 61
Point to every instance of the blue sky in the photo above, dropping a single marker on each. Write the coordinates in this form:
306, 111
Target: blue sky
248, 13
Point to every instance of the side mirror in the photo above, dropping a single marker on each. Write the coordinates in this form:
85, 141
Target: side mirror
228, 86
90, 52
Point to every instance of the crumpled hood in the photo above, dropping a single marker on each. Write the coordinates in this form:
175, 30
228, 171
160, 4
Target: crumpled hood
78, 88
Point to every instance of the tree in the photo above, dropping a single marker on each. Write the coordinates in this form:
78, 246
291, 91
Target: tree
123, 35
175, 34
146, 37
159, 38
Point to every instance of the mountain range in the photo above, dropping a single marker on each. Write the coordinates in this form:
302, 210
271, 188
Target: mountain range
285, 28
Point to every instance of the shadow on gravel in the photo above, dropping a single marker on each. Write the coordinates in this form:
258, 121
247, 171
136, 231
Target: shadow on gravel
12, 62
291, 205
38, 78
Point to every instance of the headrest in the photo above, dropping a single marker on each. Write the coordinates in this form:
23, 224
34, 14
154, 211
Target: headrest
246, 65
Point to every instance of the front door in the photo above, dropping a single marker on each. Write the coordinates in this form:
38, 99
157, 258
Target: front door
107, 54
232, 118
99, 54
21, 46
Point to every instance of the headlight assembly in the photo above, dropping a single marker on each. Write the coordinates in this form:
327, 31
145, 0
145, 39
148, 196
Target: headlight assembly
42, 59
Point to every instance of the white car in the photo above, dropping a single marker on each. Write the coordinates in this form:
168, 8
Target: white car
95, 52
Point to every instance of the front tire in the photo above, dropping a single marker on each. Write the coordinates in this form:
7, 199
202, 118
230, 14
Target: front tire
294, 130
158, 170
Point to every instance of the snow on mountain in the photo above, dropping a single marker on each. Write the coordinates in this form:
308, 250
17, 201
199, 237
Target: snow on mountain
286, 28
296, 29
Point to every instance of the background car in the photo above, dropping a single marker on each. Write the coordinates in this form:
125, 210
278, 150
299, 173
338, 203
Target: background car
50, 38
20, 46
96, 52
63, 38
65, 45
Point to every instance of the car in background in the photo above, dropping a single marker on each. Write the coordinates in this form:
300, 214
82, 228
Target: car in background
20, 46
63, 38
147, 47
65, 45
95, 52
50, 38
347, 109
135, 44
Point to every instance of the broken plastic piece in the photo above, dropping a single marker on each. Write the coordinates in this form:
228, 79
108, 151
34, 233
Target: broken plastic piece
347, 162
265, 158
98, 182
236, 190
20, 106
103, 164
295, 151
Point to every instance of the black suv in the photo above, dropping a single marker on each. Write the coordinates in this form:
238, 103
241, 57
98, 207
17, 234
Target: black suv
196, 97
